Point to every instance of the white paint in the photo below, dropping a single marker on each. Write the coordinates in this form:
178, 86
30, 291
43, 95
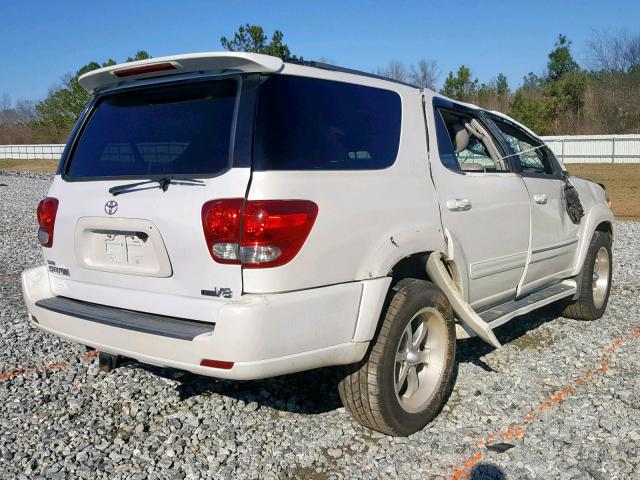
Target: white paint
595, 148
30, 152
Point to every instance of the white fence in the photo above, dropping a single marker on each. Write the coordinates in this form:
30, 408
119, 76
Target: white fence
569, 149
596, 148
26, 152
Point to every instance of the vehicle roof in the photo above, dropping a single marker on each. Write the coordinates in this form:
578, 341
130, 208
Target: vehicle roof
243, 62
216, 62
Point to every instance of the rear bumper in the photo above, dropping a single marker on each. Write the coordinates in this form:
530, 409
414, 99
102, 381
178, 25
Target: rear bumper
263, 335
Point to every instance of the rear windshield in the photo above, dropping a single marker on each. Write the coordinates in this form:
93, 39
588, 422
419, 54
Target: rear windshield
175, 130
308, 124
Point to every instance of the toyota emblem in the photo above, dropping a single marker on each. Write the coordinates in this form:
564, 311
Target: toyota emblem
111, 207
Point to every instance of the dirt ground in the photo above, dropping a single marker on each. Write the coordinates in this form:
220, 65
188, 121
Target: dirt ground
622, 181
44, 166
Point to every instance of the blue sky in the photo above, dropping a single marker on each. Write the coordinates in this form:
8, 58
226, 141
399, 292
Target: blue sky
42, 40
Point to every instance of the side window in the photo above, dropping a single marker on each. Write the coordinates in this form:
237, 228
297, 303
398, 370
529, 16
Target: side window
534, 155
475, 153
314, 124
465, 144
445, 147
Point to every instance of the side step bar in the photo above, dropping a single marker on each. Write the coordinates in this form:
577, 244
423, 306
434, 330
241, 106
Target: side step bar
501, 314
173, 327
482, 323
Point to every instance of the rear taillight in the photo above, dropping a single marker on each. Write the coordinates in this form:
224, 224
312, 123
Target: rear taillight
47, 209
256, 233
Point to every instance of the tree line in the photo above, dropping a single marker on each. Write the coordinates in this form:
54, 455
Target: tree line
567, 98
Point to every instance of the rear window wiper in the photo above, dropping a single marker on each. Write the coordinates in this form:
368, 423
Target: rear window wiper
163, 184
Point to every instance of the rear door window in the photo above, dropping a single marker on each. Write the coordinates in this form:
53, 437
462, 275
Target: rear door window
313, 124
466, 144
171, 130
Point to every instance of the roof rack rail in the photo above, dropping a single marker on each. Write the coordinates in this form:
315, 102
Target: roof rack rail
335, 68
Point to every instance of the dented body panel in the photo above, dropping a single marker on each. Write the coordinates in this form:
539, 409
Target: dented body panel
486, 231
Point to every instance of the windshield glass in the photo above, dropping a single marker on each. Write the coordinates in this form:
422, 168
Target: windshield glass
172, 130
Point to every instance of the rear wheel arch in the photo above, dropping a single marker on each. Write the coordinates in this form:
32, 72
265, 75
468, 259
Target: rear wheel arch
414, 266
408, 269
377, 293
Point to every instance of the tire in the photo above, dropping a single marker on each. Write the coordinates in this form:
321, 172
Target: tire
368, 388
593, 290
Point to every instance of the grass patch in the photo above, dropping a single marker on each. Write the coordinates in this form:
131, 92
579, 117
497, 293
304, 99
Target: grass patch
622, 182
41, 166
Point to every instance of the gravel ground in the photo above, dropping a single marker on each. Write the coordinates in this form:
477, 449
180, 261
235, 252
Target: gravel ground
565, 393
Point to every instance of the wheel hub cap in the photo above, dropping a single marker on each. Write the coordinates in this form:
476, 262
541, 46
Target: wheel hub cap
600, 283
420, 359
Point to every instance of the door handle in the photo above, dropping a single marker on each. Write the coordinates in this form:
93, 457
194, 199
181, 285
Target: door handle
540, 198
458, 204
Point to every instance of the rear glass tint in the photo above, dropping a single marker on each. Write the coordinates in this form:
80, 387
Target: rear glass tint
312, 124
173, 130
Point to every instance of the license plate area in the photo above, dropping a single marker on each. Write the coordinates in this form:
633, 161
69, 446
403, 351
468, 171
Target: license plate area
121, 245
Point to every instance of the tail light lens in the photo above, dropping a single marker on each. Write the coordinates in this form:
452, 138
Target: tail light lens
47, 209
154, 67
257, 234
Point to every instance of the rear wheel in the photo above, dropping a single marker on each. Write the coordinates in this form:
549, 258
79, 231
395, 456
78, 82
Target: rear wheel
404, 379
595, 282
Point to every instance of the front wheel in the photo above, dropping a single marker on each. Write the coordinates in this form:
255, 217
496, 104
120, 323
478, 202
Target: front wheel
403, 381
595, 282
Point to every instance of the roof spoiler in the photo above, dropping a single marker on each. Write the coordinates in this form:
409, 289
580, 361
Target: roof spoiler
243, 62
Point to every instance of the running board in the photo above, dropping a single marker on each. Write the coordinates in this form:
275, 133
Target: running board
496, 316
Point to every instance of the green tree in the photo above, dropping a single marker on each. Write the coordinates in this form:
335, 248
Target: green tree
534, 112
567, 92
60, 110
502, 86
251, 38
140, 55
494, 95
532, 82
553, 103
560, 59
460, 86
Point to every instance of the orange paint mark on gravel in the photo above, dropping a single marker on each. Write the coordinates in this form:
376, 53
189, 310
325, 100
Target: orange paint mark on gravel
8, 278
466, 467
517, 430
89, 355
47, 368
17, 373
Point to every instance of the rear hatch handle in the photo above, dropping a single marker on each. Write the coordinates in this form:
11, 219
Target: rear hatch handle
163, 184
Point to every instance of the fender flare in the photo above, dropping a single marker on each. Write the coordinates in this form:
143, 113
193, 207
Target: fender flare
597, 214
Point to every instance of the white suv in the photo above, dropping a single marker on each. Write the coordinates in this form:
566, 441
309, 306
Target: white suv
240, 217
